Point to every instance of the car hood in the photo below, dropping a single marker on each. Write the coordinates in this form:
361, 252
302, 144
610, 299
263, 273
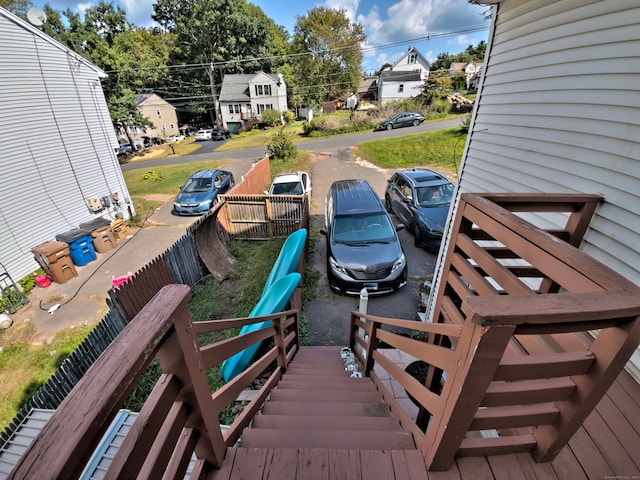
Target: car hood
192, 198
433, 217
370, 257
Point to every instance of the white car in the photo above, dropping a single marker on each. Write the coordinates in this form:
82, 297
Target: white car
204, 134
297, 183
175, 138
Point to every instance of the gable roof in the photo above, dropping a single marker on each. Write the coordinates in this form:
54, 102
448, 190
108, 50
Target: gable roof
409, 52
27, 26
235, 87
143, 98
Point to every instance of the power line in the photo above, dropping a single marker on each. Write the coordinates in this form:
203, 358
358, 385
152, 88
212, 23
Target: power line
198, 66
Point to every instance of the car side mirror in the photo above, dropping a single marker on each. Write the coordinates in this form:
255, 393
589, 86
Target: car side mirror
323, 231
399, 227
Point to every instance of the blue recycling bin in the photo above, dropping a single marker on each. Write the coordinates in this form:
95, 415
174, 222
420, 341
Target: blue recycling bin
80, 243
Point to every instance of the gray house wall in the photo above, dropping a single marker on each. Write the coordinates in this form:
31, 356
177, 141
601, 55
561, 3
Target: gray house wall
558, 111
58, 145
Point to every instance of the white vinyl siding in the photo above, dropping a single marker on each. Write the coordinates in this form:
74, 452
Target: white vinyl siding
58, 146
558, 111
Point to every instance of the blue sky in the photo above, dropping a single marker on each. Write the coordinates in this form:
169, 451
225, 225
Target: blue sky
392, 26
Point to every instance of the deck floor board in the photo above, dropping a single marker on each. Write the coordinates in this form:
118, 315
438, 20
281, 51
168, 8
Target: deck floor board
607, 445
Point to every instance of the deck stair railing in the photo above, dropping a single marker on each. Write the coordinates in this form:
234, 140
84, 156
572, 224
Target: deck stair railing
180, 417
528, 334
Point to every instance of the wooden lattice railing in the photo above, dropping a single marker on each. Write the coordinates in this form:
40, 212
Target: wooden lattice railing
180, 417
529, 333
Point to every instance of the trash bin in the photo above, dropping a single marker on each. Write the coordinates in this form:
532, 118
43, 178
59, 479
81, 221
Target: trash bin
101, 234
80, 245
54, 258
120, 229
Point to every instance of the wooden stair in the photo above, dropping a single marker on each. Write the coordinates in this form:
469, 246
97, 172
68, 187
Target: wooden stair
318, 405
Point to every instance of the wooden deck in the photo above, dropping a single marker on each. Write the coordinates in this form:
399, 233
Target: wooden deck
607, 446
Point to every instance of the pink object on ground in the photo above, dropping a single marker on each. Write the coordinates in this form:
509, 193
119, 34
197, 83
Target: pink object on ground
117, 281
42, 281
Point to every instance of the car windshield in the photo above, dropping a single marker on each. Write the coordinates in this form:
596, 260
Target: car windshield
435, 196
363, 229
197, 185
288, 188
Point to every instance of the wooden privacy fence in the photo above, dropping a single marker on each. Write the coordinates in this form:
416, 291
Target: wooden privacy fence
513, 366
258, 217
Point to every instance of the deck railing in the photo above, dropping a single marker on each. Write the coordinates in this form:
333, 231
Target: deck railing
529, 333
180, 417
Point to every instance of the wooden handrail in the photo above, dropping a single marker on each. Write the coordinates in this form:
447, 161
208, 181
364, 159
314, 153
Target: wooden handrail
521, 360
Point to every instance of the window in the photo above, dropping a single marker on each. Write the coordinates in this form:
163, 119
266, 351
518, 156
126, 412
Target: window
263, 107
401, 88
262, 90
133, 129
159, 113
234, 109
412, 58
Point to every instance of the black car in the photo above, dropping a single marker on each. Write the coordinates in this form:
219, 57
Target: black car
363, 248
404, 119
421, 199
220, 134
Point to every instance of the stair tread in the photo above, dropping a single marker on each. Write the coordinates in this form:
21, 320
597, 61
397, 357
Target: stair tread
356, 440
324, 422
351, 384
323, 396
326, 408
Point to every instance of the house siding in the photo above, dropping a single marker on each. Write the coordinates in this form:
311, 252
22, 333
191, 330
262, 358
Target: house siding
558, 112
58, 147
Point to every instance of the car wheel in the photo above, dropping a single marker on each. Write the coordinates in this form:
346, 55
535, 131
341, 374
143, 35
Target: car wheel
387, 203
389, 126
417, 234
416, 123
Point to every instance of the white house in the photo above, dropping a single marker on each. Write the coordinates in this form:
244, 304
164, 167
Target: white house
58, 160
246, 96
558, 111
404, 78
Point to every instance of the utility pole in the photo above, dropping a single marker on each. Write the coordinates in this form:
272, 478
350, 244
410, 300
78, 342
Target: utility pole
216, 103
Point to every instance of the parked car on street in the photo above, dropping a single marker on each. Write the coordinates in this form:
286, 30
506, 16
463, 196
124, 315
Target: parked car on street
363, 248
404, 119
297, 183
220, 134
420, 198
204, 134
124, 149
200, 192
175, 138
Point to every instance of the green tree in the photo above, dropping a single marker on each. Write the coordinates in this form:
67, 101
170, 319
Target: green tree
326, 45
437, 87
218, 37
18, 7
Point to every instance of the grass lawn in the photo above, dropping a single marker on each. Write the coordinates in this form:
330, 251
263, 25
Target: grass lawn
25, 366
438, 149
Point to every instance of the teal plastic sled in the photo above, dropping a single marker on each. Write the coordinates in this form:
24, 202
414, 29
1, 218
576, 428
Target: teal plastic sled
274, 300
289, 257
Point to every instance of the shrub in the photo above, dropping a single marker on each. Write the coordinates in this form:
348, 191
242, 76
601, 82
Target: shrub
152, 175
289, 116
281, 146
271, 118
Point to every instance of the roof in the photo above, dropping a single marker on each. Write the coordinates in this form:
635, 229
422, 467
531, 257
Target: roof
102, 456
354, 196
400, 76
235, 87
142, 98
413, 50
420, 176
66, 50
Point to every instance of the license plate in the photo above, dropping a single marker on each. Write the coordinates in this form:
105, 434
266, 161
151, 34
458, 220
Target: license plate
371, 286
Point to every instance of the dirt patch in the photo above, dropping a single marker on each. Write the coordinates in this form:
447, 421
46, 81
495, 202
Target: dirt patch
158, 197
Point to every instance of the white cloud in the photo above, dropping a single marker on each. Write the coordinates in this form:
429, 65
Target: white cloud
351, 6
139, 11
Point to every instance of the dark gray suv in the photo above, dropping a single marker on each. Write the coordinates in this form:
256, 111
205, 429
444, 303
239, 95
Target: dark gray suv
363, 249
